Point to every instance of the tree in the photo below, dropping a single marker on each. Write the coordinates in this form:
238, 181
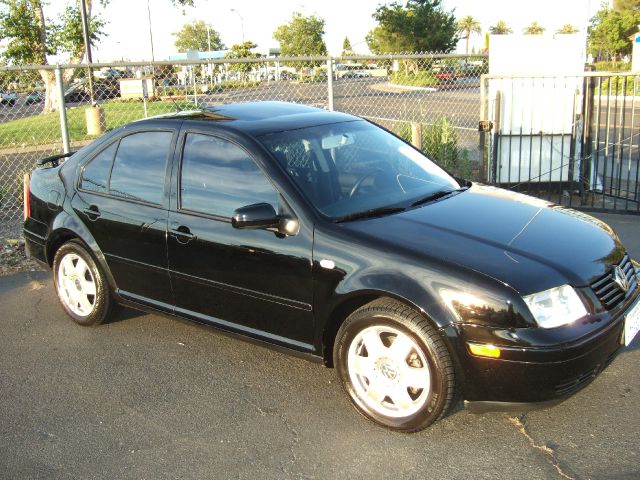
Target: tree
622, 5
534, 29
346, 47
198, 36
500, 28
32, 37
301, 36
418, 26
567, 29
609, 32
242, 50
466, 26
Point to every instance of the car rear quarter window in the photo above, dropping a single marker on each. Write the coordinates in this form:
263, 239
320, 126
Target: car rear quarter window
218, 177
95, 176
139, 167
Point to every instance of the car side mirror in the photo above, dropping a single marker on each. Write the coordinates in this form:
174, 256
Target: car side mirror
263, 216
258, 215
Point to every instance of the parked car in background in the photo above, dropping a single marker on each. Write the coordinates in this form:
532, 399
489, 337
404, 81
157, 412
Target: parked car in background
446, 74
7, 98
34, 97
287, 75
103, 90
324, 235
356, 74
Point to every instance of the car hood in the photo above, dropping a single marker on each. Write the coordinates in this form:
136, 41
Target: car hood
527, 243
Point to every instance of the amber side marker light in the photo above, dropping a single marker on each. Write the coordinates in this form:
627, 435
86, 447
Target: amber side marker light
484, 350
26, 196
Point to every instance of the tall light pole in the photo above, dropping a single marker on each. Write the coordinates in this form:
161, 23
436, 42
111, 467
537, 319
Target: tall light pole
87, 46
241, 22
153, 58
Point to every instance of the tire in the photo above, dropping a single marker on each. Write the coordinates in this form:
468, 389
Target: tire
404, 388
81, 285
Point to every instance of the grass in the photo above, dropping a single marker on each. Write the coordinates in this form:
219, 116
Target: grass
45, 128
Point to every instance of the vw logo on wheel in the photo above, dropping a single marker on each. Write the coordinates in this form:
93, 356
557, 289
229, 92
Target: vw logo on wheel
620, 278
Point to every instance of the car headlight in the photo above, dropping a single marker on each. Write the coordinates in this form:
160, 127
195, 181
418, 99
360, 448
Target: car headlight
556, 306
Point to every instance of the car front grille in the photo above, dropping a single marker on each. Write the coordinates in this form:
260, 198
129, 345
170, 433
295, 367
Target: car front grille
608, 291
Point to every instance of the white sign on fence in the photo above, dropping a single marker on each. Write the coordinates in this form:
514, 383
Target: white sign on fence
539, 98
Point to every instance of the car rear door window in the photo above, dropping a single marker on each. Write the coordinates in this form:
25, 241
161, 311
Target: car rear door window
139, 167
218, 177
95, 176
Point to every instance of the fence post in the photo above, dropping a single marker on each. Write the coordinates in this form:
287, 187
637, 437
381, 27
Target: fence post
588, 132
330, 82
416, 135
484, 128
62, 108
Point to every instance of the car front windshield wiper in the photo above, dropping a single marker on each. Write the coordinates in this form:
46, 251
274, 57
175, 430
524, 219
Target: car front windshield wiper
436, 195
371, 213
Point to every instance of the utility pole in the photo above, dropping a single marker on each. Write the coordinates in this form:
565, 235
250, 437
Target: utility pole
241, 22
153, 58
87, 46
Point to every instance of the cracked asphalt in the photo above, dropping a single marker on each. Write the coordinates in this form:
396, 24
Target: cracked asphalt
148, 397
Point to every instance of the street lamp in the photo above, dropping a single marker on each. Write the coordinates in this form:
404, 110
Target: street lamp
153, 59
241, 22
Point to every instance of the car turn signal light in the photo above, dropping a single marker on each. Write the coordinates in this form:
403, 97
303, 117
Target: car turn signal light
484, 350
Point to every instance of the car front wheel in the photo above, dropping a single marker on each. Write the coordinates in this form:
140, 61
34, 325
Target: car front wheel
81, 286
394, 366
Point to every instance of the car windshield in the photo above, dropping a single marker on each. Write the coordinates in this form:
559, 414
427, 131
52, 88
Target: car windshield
351, 168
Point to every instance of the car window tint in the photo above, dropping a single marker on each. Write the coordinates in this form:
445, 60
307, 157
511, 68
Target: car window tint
139, 168
218, 177
96, 173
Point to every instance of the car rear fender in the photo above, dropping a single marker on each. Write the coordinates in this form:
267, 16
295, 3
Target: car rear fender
66, 227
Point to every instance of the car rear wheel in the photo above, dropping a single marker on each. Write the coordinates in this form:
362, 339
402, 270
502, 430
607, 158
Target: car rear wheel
81, 286
394, 366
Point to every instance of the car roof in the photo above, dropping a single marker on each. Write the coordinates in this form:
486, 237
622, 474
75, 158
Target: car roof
258, 118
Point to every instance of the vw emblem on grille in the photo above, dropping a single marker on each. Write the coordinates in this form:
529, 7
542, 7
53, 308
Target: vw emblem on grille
620, 278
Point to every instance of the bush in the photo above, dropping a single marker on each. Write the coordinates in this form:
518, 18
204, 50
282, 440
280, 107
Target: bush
440, 144
612, 66
420, 79
618, 86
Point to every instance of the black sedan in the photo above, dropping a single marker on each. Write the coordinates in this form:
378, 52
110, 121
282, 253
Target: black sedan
326, 236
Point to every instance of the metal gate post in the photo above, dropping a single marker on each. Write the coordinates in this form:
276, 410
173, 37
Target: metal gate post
588, 126
330, 83
62, 108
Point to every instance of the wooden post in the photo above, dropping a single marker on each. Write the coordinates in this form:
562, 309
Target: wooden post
416, 135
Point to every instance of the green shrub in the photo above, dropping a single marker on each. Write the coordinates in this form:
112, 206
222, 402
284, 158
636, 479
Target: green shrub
618, 85
420, 79
440, 144
612, 66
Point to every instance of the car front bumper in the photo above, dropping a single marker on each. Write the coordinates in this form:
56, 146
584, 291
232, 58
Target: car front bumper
533, 377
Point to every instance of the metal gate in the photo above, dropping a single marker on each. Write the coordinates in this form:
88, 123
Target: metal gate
572, 140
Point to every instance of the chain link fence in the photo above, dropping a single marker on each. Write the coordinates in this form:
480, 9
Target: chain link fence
432, 100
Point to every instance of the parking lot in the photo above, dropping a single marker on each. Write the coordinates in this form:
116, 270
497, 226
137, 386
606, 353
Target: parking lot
152, 397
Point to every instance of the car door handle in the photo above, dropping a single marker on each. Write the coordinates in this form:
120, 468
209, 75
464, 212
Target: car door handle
92, 213
182, 234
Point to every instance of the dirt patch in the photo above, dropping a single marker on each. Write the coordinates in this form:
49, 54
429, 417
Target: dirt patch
12, 253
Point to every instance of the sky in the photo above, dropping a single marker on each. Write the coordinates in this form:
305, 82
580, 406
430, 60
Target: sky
128, 21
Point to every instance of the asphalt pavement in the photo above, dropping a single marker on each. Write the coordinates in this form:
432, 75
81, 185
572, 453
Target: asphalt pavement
149, 397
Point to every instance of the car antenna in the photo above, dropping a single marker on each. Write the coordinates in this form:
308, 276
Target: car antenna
178, 109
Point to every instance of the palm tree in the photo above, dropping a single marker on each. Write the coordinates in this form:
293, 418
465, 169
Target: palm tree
534, 29
467, 26
500, 28
567, 28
